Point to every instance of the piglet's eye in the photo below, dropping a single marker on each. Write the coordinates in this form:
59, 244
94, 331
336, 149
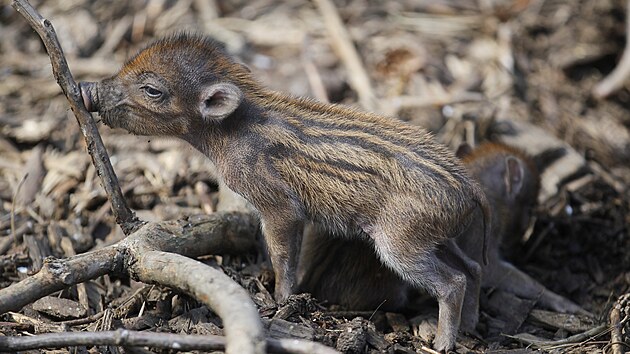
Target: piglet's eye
152, 92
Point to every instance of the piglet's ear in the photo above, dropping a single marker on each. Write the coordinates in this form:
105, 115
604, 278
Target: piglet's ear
513, 176
217, 101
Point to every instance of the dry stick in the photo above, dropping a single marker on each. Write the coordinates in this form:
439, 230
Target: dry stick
406, 101
33, 324
82, 321
579, 338
621, 73
57, 274
149, 339
222, 231
342, 44
243, 328
124, 216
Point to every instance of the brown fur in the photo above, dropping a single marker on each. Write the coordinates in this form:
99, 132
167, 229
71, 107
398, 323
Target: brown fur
298, 160
346, 272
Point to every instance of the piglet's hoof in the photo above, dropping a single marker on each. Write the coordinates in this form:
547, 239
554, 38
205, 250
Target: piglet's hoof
296, 304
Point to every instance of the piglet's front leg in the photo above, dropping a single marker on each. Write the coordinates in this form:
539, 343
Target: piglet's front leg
283, 236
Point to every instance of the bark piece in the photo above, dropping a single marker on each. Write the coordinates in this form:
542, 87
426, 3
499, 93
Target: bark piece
185, 322
353, 337
376, 339
279, 328
59, 307
554, 320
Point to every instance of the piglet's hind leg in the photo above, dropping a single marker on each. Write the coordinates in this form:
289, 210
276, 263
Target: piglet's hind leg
456, 258
424, 270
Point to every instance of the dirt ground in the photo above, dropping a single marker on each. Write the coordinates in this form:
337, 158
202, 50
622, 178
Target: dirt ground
452, 66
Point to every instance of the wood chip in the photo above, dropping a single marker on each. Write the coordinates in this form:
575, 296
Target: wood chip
353, 337
59, 307
279, 328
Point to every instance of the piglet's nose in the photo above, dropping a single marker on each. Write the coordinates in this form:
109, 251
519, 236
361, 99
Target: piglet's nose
89, 95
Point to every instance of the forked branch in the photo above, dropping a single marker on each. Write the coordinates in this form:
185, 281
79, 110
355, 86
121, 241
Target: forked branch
124, 216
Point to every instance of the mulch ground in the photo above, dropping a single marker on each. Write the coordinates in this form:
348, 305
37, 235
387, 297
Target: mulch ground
452, 66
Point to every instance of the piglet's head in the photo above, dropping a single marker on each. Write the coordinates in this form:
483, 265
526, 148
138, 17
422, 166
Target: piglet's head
176, 86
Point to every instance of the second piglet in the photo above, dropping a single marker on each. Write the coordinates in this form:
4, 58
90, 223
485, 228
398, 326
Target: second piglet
349, 273
511, 181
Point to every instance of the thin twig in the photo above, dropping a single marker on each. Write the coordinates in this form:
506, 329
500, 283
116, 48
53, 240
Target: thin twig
579, 338
616, 79
342, 44
82, 321
376, 309
124, 337
404, 102
438, 26
124, 216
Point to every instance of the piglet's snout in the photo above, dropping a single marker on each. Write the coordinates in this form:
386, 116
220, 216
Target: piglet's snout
89, 95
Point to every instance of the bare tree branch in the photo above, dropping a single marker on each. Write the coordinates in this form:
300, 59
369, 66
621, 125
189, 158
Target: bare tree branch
58, 274
149, 339
142, 255
230, 301
222, 232
124, 216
